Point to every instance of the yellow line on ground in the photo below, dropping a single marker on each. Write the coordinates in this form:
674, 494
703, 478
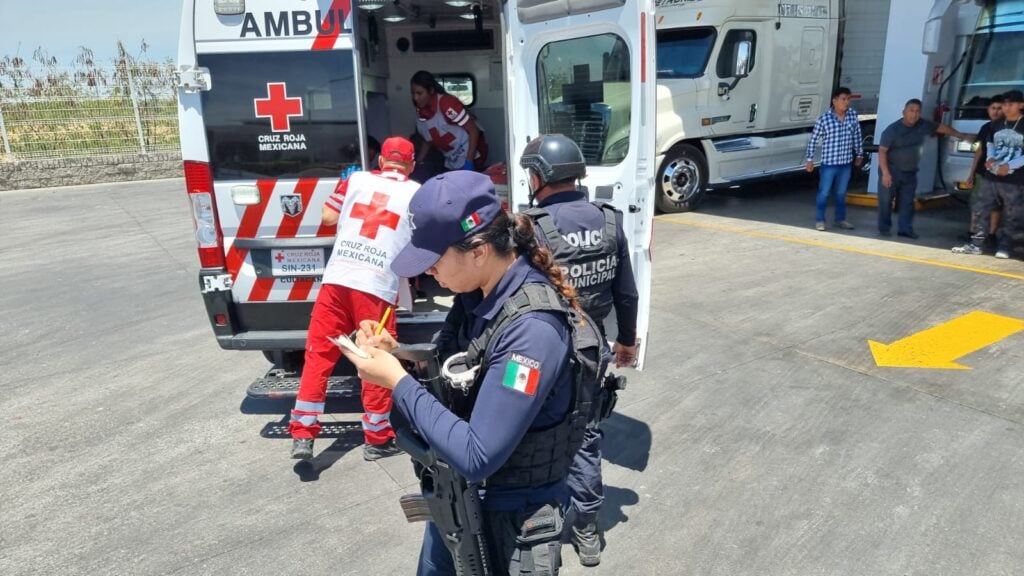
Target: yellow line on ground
842, 248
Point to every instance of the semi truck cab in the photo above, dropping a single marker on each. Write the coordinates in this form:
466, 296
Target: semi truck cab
741, 83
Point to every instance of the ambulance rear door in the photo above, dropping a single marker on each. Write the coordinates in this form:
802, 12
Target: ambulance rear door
585, 68
275, 126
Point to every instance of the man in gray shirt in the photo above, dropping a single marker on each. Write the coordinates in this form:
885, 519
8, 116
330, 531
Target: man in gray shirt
899, 154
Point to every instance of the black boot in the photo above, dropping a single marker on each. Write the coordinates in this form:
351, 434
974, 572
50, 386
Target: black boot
373, 452
586, 539
302, 448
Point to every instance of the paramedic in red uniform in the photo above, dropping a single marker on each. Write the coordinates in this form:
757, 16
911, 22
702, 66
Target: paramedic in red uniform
371, 210
445, 124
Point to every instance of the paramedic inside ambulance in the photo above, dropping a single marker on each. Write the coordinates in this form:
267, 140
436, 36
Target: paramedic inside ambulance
445, 124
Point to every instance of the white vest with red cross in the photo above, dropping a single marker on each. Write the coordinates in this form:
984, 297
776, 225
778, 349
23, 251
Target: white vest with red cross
444, 129
372, 228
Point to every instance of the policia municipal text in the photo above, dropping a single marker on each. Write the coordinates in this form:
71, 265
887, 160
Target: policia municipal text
521, 322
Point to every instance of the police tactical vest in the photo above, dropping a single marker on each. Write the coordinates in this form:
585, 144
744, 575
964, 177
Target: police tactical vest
590, 263
544, 456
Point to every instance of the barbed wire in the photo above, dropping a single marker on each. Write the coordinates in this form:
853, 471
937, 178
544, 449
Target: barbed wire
50, 111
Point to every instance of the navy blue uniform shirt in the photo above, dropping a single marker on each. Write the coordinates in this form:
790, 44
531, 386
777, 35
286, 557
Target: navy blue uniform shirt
537, 341
572, 212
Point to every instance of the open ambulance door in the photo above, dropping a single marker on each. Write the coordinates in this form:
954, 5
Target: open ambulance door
585, 68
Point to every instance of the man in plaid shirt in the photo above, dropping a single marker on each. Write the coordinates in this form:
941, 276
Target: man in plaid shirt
838, 130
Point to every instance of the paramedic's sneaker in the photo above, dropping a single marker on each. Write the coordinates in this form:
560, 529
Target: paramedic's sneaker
1002, 254
845, 225
967, 249
302, 448
373, 452
819, 226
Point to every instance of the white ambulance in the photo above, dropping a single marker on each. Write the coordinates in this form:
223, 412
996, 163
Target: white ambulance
276, 97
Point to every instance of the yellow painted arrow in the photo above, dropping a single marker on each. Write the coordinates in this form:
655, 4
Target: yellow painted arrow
940, 346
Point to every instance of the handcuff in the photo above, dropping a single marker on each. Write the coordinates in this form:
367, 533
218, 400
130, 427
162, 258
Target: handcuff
458, 373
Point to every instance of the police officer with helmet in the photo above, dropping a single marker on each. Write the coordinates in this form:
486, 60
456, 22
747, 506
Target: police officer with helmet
589, 244
524, 332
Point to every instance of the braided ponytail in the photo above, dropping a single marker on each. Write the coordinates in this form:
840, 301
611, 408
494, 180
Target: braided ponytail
525, 240
506, 235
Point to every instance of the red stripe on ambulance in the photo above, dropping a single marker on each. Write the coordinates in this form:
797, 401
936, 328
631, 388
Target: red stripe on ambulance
326, 41
248, 228
287, 228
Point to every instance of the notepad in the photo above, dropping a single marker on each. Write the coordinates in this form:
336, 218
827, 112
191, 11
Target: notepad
346, 343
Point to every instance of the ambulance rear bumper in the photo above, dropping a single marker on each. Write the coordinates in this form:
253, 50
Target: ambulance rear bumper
282, 325
412, 329
264, 340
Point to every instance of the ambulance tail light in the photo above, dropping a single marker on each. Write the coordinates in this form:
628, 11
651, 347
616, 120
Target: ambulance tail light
199, 184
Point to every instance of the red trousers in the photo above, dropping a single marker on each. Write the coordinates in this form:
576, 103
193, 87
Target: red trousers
338, 310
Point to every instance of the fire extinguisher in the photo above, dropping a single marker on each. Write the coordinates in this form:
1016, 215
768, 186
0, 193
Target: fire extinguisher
939, 116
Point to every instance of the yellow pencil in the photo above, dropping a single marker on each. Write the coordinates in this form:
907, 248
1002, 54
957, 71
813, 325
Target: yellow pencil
383, 319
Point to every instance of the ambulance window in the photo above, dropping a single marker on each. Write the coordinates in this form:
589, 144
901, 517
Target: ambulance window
462, 86
281, 115
585, 94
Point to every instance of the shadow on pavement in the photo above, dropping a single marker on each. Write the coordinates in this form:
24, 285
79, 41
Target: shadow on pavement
627, 442
790, 201
309, 470
346, 436
612, 511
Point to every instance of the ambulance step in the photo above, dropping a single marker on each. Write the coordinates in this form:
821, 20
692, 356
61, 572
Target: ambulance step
280, 384
327, 430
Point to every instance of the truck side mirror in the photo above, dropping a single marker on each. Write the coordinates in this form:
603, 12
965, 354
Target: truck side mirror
739, 68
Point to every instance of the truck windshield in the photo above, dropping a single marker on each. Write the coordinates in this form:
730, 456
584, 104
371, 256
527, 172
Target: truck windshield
995, 65
281, 115
684, 52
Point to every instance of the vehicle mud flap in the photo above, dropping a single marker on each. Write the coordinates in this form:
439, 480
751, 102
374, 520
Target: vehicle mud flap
527, 542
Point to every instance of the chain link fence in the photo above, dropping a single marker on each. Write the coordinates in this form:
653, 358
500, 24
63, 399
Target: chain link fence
53, 112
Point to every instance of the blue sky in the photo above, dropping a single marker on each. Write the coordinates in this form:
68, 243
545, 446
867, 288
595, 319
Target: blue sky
97, 24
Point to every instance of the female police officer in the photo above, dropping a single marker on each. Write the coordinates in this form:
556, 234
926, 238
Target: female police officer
465, 241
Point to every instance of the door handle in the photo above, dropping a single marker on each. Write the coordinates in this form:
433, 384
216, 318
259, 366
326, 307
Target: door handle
753, 112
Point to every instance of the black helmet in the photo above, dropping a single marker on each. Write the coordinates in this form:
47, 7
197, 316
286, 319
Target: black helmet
555, 157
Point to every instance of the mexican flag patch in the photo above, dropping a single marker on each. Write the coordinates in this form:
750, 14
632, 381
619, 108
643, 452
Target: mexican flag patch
522, 374
471, 221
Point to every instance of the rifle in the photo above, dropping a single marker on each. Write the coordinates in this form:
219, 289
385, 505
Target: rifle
446, 498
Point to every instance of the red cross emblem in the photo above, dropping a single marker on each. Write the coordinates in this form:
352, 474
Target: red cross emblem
442, 142
278, 107
374, 215
279, 257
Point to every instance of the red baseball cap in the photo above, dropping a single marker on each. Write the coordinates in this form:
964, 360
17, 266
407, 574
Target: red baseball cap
398, 149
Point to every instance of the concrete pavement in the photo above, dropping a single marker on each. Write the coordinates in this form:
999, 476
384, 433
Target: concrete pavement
761, 439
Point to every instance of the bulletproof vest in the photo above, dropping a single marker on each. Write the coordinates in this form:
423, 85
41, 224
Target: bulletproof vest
544, 456
588, 262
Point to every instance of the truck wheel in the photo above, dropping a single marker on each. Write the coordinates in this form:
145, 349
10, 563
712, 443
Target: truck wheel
682, 179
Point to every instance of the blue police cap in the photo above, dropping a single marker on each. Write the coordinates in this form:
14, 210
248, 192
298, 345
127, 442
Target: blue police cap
445, 210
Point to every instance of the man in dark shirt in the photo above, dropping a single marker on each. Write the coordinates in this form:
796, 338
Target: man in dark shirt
1005, 165
899, 154
983, 197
